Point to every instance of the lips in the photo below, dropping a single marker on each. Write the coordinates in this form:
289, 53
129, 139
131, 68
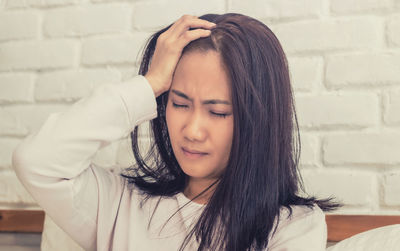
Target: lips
193, 153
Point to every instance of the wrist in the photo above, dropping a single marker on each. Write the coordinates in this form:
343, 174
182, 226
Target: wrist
154, 86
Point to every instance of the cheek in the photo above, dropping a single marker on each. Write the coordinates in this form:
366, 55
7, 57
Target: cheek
224, 136
228, 145
171, 119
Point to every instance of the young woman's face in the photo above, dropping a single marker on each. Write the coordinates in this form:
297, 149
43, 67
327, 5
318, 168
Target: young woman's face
199, 115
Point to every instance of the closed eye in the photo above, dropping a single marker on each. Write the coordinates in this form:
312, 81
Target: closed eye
223, 115
179, 106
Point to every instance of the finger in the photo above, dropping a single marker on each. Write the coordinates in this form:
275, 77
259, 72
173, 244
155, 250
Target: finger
192, 35
187, 23
195, 23
180, 20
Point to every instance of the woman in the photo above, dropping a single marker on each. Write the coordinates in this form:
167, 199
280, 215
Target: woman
222, 173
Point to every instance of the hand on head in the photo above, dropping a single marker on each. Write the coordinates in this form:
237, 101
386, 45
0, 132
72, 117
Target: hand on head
169, 48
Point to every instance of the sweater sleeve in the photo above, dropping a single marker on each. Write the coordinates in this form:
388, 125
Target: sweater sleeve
304, 230
55, 163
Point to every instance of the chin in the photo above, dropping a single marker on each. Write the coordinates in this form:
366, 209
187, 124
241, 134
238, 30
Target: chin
193, 172
197, 172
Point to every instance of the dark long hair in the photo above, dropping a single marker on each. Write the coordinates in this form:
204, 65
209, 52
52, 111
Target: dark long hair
262, 172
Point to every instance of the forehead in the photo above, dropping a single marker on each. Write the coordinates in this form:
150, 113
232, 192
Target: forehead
202, 74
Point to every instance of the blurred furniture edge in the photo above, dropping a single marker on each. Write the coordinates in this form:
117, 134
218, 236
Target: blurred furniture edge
21, 221
340, 227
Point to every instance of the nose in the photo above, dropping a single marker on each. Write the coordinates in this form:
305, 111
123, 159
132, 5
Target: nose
194, 129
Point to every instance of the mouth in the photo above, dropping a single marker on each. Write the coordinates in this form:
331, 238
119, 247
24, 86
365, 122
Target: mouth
193, 154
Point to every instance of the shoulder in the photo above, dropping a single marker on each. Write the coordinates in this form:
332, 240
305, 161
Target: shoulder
302, 229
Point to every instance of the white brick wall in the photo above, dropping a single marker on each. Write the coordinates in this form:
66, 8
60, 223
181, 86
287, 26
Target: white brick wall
337, 110
277, 9
360, 6
16, 87
331, 182
151, 15
113, 50
71, 85
392, 189
345, 68
77, 21
19, 25
392, 108
38, 55
393, 26
362, 148
333, 34
306, 72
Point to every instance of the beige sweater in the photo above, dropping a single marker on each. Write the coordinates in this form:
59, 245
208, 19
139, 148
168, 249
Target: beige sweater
95, 206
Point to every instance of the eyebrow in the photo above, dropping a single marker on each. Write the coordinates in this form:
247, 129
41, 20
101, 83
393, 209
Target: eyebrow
206, 102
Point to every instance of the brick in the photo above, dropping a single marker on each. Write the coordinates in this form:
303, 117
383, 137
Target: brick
128, 72
309, 150
306, 72
337, 110
164, 13
330, 34
16, 88
11, 189
393, 27
31, 117
73, 21
103, 1
9, 125
277, 9
38, 3
392, 108
7, 146
72, 85
362, 148
37, 55
363, 6
18, 25
114, 50
362, 69
391, 189
14, 4
355, 189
